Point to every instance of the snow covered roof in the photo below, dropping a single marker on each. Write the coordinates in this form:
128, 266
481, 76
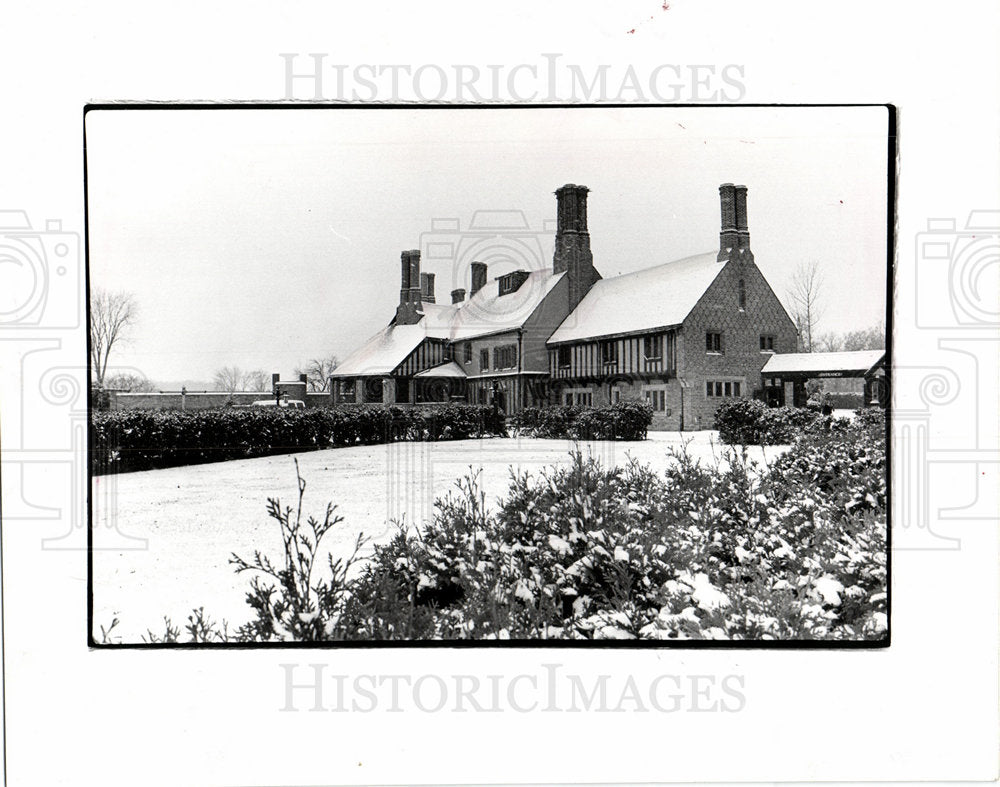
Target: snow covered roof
448, 369
484, 313
383, 352
861, 362
642, 301
489, 312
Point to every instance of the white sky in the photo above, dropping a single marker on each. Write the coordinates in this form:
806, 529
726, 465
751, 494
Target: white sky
262, 238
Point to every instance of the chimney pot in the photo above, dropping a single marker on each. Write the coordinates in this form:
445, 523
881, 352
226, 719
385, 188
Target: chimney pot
572, 252
478, 277
427, 287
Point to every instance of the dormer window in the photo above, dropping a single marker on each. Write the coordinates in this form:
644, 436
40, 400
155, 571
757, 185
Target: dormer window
511, 282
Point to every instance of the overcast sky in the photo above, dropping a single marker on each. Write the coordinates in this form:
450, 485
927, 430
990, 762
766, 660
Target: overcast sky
263, 238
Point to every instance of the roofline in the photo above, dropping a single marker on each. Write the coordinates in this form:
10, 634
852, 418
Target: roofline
620, 335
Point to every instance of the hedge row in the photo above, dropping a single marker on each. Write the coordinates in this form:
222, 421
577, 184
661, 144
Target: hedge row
751, 422
621, 421
125, 440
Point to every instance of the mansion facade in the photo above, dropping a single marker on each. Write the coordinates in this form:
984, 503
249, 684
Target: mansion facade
684, 336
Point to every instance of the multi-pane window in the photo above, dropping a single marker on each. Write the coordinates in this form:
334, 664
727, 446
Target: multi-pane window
346, 391
505, 357
766, 343
657, 399
484, 359
720, 388
609, 352
468, 352
652, 347
578, 396
713, 342
565, 356
742, 294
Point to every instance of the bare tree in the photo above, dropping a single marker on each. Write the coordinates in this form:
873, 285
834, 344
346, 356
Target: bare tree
129, 383
228, 379
318, 371
111, 315
257, 380
829, 343
805, 296
872, 338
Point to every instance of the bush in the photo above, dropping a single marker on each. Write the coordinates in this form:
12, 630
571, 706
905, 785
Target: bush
751, 422
589, 552
124, 440
621, 421
844, 400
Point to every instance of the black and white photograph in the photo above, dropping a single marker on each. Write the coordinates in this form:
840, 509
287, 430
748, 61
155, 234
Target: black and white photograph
541, 375
525, 393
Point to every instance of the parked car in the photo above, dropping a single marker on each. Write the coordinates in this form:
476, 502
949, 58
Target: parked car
295, 404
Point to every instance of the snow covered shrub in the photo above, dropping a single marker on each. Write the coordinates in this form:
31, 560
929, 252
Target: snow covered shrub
621, 421
727, 550
125, 440
751, 422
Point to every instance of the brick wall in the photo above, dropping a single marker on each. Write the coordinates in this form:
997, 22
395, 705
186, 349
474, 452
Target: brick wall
741, 358
201, 401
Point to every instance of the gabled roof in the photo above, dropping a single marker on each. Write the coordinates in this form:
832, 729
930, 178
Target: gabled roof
488, 312
859, 362
382, 353
642, 301
484, 313
447, 369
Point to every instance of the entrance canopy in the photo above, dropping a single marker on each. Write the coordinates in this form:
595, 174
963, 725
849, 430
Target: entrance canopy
788, 366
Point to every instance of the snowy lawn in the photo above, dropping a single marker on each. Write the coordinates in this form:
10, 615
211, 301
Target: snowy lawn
163, 538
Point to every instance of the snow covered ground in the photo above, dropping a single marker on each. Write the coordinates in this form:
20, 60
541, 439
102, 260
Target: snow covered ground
163, 538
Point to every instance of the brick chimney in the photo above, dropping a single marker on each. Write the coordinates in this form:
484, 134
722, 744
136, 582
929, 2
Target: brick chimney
572, 253
427, 287
734, 239
742, 230
457, 296
478, 277
727, 237
409, 288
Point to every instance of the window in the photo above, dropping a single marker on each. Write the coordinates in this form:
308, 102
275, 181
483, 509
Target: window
616, 395
565, 356
653, 347
720, 388
346, 391
609, 352
766, 344
582, 397
713, 342
742, 294
505, 357
468, 352
657, 399
484, 359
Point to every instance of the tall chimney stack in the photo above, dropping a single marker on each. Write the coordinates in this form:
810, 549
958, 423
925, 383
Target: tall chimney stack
728, 241
414, 255
409, 288
572, 252
742, 230
427, 287
478, 277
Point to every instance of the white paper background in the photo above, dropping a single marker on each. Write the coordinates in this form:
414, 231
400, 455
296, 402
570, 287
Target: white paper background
924, 709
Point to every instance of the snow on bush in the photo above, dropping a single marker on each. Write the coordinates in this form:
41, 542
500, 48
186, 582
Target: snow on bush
583, 551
